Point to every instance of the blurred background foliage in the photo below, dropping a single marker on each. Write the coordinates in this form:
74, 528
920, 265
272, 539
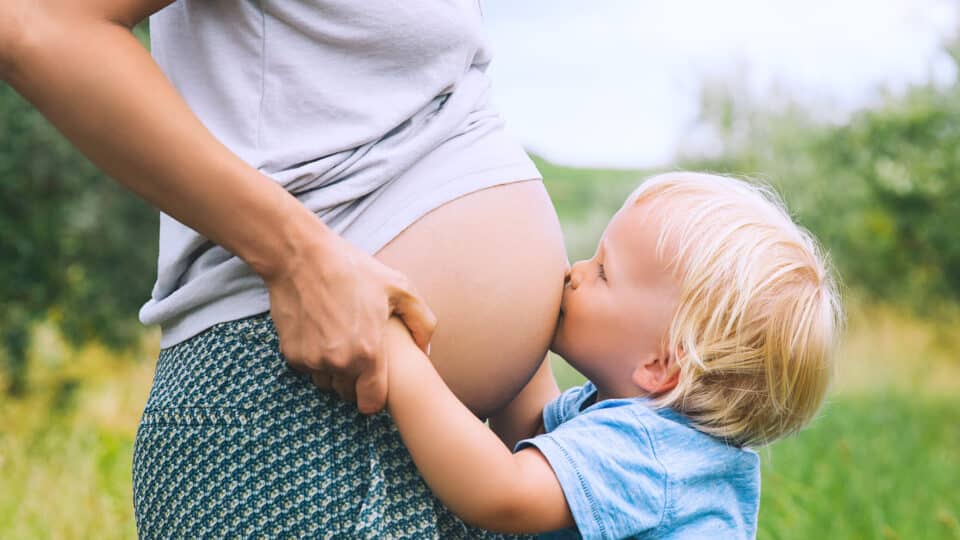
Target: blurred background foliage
881, 189
75, 247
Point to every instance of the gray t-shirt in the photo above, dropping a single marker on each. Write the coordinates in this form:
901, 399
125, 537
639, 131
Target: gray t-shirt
371, 113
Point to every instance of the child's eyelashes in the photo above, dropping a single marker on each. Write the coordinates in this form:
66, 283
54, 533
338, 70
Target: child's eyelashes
601, 273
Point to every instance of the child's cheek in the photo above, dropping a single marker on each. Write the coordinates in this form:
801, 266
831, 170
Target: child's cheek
556, 344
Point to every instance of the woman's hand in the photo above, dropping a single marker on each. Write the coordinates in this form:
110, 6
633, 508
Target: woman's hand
330, 304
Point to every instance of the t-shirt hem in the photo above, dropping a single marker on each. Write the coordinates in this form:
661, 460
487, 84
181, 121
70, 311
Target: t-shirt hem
376, 237
256, 300
239, 305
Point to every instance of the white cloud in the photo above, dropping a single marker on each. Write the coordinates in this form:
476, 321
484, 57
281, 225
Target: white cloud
616, 82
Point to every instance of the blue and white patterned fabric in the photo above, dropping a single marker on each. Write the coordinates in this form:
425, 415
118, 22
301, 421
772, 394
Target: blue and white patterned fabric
629, 470
233, 443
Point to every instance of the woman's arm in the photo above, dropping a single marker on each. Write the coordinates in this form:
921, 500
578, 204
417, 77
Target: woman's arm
463, 462
80, 65
523, 417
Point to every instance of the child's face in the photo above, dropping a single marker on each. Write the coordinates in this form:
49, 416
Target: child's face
618, 305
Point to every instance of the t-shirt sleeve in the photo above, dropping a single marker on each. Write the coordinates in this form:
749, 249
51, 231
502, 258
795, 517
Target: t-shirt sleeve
566, 405
605, 463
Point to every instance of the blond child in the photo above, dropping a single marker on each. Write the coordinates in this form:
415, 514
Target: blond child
704, 323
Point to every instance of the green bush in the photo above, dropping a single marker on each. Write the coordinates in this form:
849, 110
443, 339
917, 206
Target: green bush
76, 247
881, 191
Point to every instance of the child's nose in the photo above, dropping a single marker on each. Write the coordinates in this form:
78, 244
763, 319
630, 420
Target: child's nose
575, 275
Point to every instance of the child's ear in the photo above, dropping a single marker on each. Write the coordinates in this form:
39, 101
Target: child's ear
657, 374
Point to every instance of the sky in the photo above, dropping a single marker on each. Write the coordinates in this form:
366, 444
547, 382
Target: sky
617, 83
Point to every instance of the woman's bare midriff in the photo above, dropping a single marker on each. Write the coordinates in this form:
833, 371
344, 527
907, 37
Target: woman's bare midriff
490, 264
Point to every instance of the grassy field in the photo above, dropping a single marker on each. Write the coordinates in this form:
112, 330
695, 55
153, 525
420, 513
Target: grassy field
881, 461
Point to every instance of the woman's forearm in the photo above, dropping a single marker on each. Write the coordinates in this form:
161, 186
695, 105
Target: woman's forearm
94, 81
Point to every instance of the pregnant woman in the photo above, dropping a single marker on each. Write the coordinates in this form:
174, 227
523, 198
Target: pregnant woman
320, 166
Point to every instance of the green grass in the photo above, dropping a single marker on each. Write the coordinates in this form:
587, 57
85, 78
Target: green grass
66, 449
65, 480
871, 466
881, 461
876, 466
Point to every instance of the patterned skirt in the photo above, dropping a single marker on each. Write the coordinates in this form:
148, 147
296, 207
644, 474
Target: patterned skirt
233, 443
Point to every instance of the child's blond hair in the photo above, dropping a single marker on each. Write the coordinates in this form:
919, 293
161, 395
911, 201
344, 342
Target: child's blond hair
759, 308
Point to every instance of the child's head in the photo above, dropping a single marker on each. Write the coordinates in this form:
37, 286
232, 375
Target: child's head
705, 295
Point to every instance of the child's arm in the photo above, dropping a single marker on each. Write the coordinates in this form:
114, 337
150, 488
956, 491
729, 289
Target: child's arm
523, 417
462, 461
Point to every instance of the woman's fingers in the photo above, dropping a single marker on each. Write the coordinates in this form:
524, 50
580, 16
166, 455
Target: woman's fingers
416, 314
371, 385
322, 380
344, 386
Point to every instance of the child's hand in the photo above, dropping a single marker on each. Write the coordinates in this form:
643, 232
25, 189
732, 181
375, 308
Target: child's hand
463, 462
400, 351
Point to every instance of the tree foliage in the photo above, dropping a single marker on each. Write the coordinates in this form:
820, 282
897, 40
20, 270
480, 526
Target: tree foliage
74, 245
881, 190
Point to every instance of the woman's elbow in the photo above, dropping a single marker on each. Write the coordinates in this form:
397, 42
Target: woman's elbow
13, 34
28, 29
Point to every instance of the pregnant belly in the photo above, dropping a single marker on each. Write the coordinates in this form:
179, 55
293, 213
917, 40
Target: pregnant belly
491, 266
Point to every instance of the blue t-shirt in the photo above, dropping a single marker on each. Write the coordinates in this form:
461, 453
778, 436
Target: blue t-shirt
631, 471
